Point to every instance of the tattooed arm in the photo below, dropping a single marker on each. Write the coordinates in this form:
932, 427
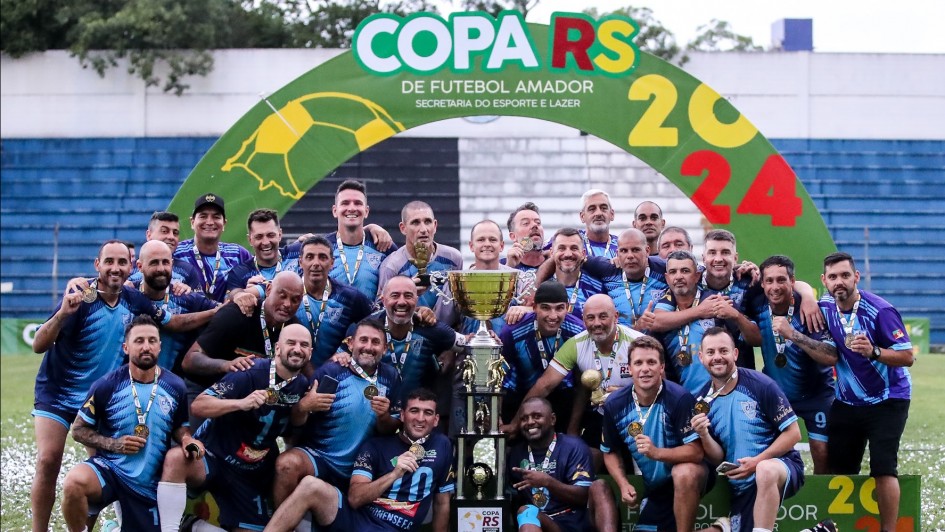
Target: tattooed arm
85, 434
822, 352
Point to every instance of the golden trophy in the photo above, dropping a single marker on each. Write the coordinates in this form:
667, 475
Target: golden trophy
592, 379
421, 259
479, 474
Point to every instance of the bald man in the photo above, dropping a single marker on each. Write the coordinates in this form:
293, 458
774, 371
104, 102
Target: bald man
648, 218
601, 350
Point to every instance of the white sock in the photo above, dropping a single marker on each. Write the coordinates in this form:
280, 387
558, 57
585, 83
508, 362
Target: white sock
202, 526
171, 502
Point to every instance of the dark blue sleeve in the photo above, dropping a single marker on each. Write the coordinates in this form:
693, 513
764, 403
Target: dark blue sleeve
682, 416
196, 302
360, 307
600, 267
610, 436
235, 385
189, 274
141, 305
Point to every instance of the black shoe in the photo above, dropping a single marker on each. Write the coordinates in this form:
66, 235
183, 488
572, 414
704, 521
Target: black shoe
827, 525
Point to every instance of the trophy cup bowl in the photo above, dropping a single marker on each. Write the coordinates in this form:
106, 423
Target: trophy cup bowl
592, 379
421, 252
479, 474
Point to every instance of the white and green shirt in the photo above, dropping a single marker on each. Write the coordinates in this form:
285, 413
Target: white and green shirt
580, 351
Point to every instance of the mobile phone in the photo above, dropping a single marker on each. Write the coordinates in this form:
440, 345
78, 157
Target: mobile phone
327, 384
725, 467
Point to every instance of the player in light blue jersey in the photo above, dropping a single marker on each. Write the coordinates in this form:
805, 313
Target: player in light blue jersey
528, 237
596, 213
154, 262
637, 284
264, 236
132, 417
567, 256
246, 412
328, 308
871, 349
82, 341
354, 404
211, 258
650, 420
808, 385
394, 482
165, 226
648, 219
419, 227
530, 345
681, 342
748, 430
358, 249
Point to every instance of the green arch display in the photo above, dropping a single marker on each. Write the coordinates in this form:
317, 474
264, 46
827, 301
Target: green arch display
583, 73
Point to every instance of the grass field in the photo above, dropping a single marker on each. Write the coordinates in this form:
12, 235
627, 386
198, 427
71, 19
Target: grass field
923, 446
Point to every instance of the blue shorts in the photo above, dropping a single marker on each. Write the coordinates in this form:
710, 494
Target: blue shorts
572, 521
656, 510
814, 412
138, 512
348, 519
243, 496
324, 470
743, 502
48, 411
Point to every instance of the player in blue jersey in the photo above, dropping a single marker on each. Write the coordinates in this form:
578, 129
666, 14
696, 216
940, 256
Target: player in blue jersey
264, 236
246, 411
528, 237
597, 213
567, 256
529, 347
871, 350
681, 343
130, 417
328, 308
648, 219
748, 429
358, 250
165, 226
550, 473
808, 385
211, 258
419, 227
394, 482
637, 284
82, 341
651, 421
336, 423
155, 264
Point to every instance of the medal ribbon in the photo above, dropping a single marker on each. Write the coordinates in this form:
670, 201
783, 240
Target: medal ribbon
541, 345
848, 324
587, 245
613, 360
361, 373
544, 464
725, 291
709, 397
398, 363
265, 331
210, 284
684, 331
779, 343
272, 378
313, 325
278, 265
143, 416
626, 287
636, 403
344, 258
574, 295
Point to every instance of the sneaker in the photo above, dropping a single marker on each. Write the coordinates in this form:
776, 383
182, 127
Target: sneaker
723, 523
111, 525
827, 525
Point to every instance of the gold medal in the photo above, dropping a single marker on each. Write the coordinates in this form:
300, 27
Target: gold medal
635, 429
780, 360
539, 498
272, 396
848, 340
684, 358
417, 451
527, 244
90, 294
142, 430
371, 392
701, 407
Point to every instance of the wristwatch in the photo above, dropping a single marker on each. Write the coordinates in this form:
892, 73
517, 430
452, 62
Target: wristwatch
877, 352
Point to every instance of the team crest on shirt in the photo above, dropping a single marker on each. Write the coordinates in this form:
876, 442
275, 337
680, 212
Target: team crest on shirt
897, 334
624, 371
750, 409
707, 323
374, 260
164, 403
332, 314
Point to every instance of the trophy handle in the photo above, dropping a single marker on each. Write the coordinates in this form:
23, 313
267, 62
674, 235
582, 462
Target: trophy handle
438, 280
529, 287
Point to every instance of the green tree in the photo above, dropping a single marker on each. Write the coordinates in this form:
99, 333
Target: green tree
331, 23
494, 7
717, 36
653, 37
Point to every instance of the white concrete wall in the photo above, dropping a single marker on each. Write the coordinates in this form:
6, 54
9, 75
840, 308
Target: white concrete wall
787, 95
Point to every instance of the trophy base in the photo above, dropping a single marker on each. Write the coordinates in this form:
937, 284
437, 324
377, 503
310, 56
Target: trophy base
484, 515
